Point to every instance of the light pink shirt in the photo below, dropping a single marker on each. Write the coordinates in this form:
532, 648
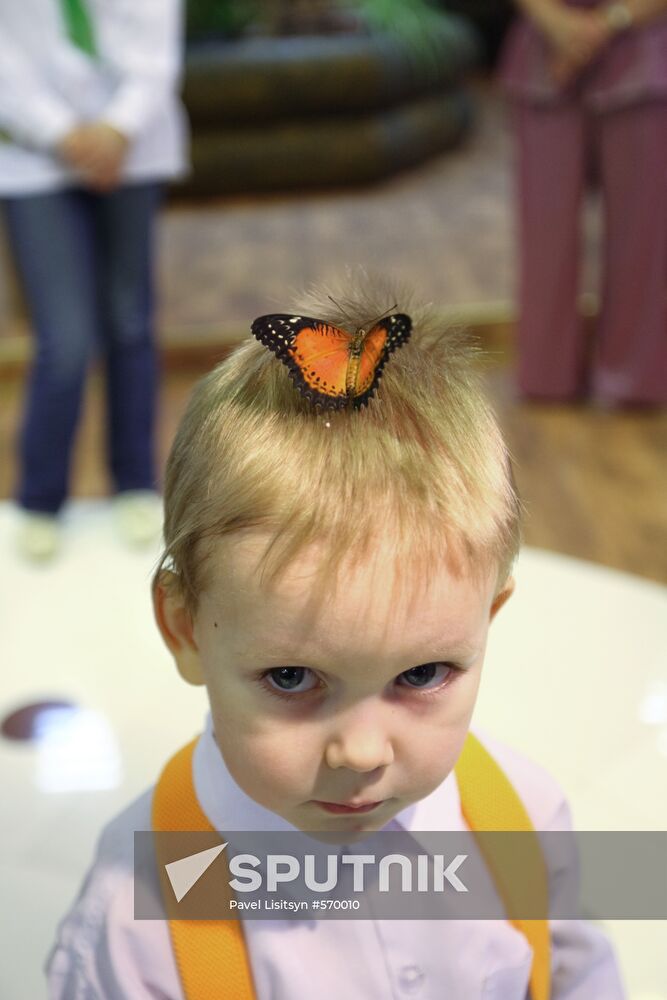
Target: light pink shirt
102, 953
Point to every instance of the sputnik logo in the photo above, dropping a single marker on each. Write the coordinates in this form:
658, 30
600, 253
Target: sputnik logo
280, 868
185, 872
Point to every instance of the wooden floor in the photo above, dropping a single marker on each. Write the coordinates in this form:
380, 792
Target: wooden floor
594, 483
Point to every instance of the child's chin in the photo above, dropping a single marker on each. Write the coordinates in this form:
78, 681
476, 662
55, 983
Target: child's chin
352, 834
339, 837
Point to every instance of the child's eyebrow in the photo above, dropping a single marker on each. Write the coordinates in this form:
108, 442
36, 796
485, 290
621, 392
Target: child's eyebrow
462, 650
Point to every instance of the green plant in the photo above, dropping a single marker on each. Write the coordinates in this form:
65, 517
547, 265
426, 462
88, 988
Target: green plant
411, 19
226, 18
415, 22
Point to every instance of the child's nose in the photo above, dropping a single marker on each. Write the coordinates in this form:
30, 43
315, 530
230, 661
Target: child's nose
360, 748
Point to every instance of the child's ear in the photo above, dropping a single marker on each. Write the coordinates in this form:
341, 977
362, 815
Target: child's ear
501, 597
175, 624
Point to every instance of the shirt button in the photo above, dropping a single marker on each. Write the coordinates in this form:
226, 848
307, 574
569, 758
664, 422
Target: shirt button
411, 978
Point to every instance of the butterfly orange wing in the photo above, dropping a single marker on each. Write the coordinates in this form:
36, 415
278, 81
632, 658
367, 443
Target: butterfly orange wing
380, 341
371, 356
322, 353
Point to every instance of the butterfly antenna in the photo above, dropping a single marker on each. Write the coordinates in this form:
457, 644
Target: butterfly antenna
373, 322
339, 306
382, 315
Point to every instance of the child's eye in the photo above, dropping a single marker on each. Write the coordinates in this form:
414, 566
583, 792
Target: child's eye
286, 679
428, 676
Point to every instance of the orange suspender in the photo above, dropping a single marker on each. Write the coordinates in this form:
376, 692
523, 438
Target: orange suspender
490, 802
211, 955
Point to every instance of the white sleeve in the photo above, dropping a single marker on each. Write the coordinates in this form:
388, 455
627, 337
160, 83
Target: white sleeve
30, 113
96, 954
142, 43
101, 952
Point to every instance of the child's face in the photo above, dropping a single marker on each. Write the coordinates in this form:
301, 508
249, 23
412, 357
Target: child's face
367, 701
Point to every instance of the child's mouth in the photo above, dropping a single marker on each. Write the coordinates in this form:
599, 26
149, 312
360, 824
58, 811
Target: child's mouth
336, 807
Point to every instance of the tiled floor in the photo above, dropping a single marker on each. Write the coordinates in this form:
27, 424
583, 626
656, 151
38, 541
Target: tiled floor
581, 644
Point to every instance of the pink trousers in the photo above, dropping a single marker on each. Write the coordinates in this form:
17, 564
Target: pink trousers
629, 358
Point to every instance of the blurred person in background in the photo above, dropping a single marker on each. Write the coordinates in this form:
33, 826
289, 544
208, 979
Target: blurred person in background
90, 127
588, 87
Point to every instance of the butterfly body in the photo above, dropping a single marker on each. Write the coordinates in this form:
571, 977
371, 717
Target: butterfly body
331, 367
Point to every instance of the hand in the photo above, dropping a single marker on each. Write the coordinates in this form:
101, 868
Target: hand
564, 69
96, 151
576, 37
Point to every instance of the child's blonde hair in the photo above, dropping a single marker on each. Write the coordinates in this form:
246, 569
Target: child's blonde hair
422, 468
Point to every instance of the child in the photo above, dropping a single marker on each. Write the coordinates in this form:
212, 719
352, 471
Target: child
90, 129
330, 573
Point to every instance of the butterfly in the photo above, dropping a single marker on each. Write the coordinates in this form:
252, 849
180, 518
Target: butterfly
332, 368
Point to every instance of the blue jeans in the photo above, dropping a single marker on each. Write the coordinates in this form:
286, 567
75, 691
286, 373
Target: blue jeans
85, 262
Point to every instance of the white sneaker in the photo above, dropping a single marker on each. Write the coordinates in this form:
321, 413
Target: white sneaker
138, 515
38, 536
